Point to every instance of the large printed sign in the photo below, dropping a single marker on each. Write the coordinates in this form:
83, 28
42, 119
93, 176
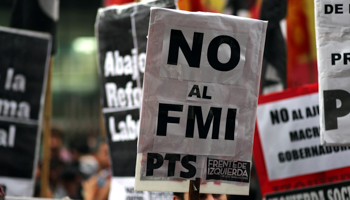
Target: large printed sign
200, 96
332, 33
287, 150
24, 61
122, 37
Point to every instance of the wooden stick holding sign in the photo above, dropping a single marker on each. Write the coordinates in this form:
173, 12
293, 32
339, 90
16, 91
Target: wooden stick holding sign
44, 187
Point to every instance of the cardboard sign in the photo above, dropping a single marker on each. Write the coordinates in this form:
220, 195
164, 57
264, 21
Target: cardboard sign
122, 37
287, 150
333, 54
24, 61
200, 96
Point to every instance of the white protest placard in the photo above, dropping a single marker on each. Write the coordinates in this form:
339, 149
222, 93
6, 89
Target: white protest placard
199, 99
333, 56
287, 149
294, 123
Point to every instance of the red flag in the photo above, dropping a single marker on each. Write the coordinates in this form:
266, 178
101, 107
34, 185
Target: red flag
116, 2
302, 64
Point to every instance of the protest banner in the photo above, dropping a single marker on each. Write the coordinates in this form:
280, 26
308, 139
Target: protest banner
24, 61
333, 53
335, 191
287, 151
121, 32
199, 101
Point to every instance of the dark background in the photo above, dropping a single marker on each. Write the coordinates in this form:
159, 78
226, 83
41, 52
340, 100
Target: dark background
75, 83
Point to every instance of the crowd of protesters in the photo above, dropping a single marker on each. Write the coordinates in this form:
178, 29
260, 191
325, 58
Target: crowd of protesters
81, 170
78, 170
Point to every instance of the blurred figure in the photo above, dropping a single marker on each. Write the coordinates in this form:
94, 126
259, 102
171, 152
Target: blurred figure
184, 196
56, 168
97, 187
102, 156
58, 152
82, 158
275, 52
69, 183
59, 157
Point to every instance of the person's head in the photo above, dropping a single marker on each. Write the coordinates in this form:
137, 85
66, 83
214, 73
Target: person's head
70, 178
56, 142
102, 155
56, 167
78, 148
184, 196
